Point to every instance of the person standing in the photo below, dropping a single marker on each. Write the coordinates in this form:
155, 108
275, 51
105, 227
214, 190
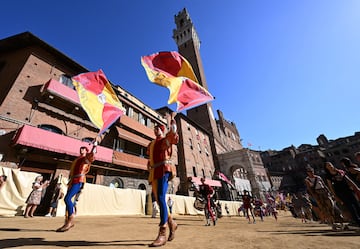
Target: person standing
56, 196
170, 204
227, 209
79, 168
35, 196
161, 171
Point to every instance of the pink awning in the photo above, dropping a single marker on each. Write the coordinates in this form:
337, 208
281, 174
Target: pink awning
65, 92
46, 140
213, 183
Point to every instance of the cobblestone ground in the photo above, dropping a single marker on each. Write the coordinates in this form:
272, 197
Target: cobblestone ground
138, 232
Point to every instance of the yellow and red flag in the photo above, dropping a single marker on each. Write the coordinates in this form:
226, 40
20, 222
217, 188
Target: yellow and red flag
171, 70
98, 99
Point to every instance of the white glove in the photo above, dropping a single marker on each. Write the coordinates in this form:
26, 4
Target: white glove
173, 126
94, 147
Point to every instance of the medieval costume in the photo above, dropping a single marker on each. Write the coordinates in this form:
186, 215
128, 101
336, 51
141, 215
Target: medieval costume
79, 168
161, 170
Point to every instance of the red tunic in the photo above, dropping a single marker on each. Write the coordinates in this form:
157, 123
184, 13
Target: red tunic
160, 152
80, 167
246, 201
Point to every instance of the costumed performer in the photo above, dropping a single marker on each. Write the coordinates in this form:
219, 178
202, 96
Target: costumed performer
161, 170
79, 168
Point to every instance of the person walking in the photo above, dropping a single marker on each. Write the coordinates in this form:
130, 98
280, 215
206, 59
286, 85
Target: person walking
206, 191
317, 188
161, 171
352, 169
247, 201
258, 204
341, 186
79, 168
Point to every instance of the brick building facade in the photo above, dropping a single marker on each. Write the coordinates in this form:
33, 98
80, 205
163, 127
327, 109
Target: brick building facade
43, 125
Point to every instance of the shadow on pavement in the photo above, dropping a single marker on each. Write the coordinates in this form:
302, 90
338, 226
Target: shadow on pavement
19, 242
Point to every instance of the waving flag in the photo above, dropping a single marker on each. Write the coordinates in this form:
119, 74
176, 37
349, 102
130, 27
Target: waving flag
171, 70
223, 177
98, 99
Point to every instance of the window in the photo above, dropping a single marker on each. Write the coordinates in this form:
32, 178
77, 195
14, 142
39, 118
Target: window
233, 136
182, 23
191, 145
142, 186
51, 128
203, 172
119, 144
206, 151
126, 107
87, 139
66, 80
117, 183
194, 171
130, 112
149, 123
141, 119
199, 148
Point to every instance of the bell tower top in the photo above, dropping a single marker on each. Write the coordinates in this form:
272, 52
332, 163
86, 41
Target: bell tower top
185, 30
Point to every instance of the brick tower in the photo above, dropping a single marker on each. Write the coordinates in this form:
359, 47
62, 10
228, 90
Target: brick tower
188, 43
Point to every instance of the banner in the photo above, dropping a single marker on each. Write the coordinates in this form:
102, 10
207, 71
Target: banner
98, 99
171, 70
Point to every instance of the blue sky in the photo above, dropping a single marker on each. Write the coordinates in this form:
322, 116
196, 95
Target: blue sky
283, 71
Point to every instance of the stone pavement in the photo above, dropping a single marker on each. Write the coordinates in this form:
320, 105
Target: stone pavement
139, 231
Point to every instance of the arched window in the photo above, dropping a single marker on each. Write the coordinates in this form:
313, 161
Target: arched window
142, 186
51, 128
117, 183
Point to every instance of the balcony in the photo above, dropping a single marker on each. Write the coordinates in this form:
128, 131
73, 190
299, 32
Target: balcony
49, 141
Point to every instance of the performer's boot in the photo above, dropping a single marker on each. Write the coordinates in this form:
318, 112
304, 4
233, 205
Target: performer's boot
69, 223
172, 227
161, 238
